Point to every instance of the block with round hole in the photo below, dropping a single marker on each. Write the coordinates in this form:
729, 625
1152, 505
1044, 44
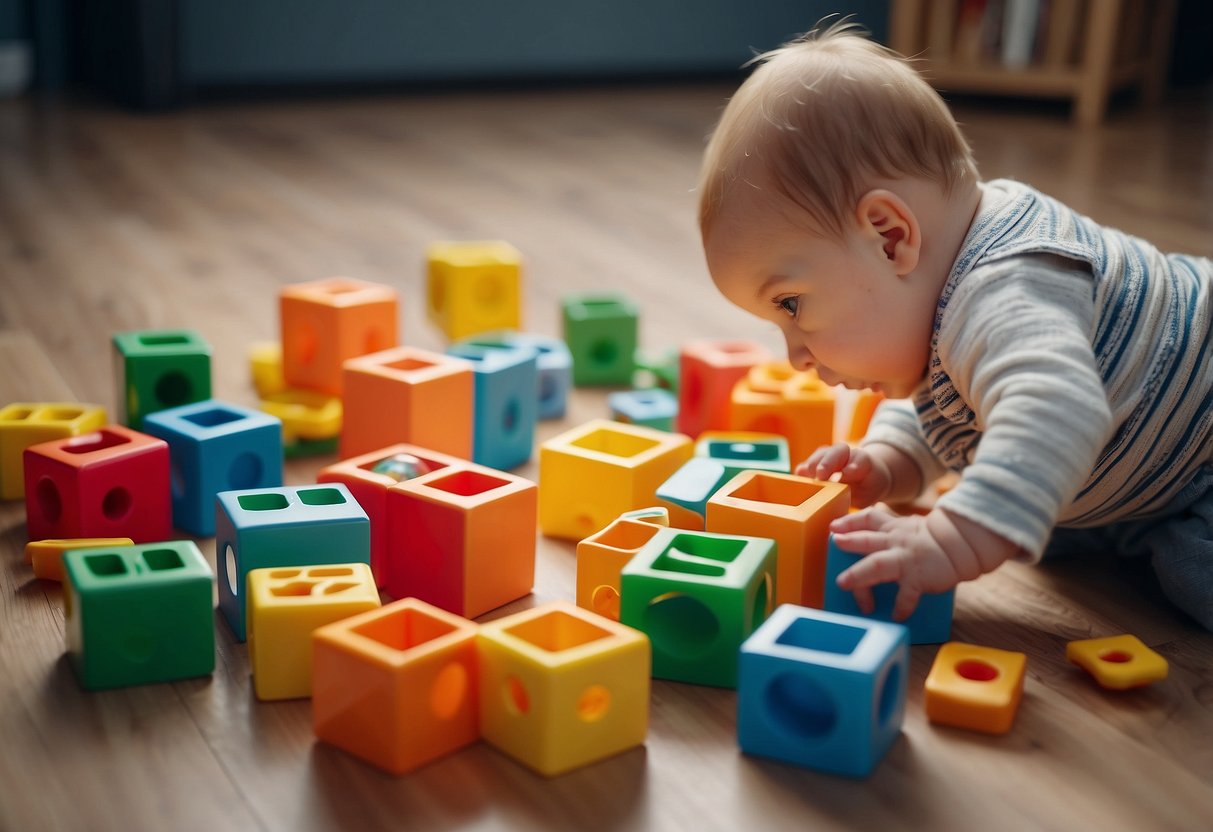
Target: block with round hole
974, 687
1118, 662
600, 561
655, 408
822, 690
396, 686
215, 446
562, 687
774, 398
698, 596
295, 525
708, 371
138, 614
46, 556
601, 331
285, 606
554, 366
113, 482
31, 423
743, 450
505, 402
473, 286
157, 369
687, 490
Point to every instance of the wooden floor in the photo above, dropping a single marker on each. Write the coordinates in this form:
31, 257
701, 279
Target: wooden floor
112, 222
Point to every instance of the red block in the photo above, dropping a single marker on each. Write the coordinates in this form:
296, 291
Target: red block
707, 371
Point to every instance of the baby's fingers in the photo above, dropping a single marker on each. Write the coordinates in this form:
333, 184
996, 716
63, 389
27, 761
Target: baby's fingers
907, 601
825, 462
870, 519
880, 568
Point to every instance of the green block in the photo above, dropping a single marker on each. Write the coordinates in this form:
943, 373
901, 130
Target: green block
139, 614
159, 369
751, 454
698, 596
601, 331
657, 368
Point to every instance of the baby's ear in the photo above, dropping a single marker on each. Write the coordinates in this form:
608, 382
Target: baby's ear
887, 215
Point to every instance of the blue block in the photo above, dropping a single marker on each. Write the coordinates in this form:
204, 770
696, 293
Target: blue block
930, 623
215, 446
746, 451
555, 366
654, 408
505, 406
693, 484
822, 690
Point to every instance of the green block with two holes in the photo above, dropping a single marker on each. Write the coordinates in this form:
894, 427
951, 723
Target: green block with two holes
741, 451
601, 331
138, 614
156, 369
698, 596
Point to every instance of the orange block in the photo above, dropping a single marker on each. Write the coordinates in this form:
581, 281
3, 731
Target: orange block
601, 558
708, 370
396, 686
861, 416
47, 555
774, 398
975, 687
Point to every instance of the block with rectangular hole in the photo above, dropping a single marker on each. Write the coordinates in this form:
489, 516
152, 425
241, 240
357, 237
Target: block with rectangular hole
655, 408
600, 561
113, 482
974, 687
46, 556
158, 369
698, 596
31, 423
822, 690
215, 446
774, 398
741, 450
685, 494
285, 606
473, 286
591, 474
505, 381
601, 331
796, 512
561, 687
1118, 662
325, 322
138, 614
407, 395
461, 538
299, 525
708, 371
554, 363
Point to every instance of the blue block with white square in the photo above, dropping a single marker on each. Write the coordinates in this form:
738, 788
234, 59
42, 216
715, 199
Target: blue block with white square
505, 406
655, 408
555, 366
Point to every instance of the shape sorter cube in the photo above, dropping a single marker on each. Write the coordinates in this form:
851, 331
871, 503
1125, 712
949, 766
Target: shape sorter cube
282, 527
561, 687
505, 382
974, 687
822, 690
654, 408
861, 414
774, 398
158, 369
591, 474
796, 512
46, 556
1118, 662
555, 366
113, 482
685, 494
396, 686
601, 331
741, 451
708, 371
325, 322
462, 538
408, 395
31, 423
473, 287
138, 614
216, 446
698, 596
600, 561
285, 606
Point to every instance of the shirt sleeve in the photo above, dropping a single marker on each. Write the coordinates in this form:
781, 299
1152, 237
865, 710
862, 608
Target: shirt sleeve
896, 423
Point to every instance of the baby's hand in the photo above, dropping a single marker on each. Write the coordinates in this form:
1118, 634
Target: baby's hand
868, 476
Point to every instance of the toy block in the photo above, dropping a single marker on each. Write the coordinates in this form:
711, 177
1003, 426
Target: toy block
462, 538
31, 423
698, 596
657, 515
687, 490
505, 382
396, 686
159, 369
215, 446
265, 368
974, 687
325, 322
555, 366
306, 416
796, 512
601, 331
741, 451
591, 474
473, 287
930, 623
654, 408
600, 561
657, 369
262, 528
1118, 662
285, 606
561, 687
774, 398
861, 415
708, 371
138, 614
823, 691
408, 395
113, 482
46, 556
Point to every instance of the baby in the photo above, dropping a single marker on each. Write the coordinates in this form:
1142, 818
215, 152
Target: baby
1064, 368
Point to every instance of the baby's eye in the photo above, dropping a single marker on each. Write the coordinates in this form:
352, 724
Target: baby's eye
790, 305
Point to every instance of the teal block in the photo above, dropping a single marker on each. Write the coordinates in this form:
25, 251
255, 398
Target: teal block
158, 369
505, 404
601, 331
766, 454
654, 408
555, 366
657, 369
692, 485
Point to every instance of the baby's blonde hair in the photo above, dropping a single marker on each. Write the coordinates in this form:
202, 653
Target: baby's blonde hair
820, 118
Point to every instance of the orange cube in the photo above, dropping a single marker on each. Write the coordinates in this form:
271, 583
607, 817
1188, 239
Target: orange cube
600, 560
708, 370
975, 687
861, 416
774, 398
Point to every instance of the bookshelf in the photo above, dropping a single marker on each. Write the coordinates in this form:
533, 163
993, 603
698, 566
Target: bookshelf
1081, 50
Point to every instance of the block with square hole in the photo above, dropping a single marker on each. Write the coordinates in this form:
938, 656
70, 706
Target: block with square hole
708, 371
407, 395
461, 538
325, 322
134, 615
601, 331
297, 525
396, 686
743, 450
554, 366
822, 690
593, 473
215, 446
562, 687
1118, 662
774, 398
113, 482
46, 556
974, 687
31, 423
265, 368
930, 623
600, 561
158, 369
655, 408
505, 382
657, 370
698, 596
285, 606
657, 515
473, 286
685, 494
795, 512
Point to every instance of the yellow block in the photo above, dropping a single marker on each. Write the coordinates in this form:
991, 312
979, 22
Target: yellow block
774, 398
265, 366
47, 555
1118, 662
975, 687
27, 423
474, 287
601, 558
305, 414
